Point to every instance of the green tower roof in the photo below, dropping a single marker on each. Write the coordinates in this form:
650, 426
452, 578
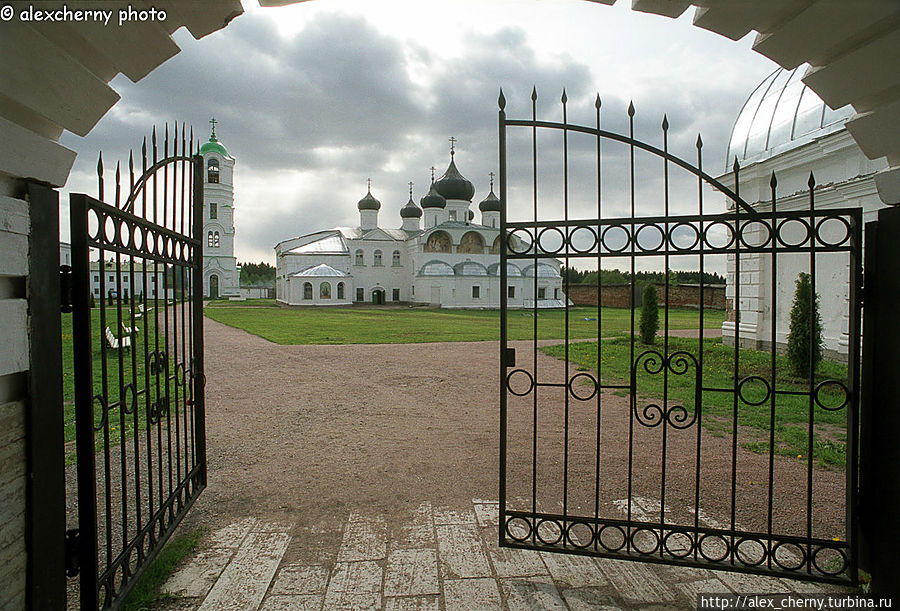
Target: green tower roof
213, 146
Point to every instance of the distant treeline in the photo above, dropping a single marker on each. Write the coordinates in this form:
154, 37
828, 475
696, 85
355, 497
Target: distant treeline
257, 274
615, 276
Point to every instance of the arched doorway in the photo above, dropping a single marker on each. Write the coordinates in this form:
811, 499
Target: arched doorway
378, 296
214, 287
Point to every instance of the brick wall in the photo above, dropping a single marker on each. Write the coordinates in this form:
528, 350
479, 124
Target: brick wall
680, 296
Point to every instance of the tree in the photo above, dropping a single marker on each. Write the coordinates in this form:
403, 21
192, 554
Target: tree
804, 351
649, 315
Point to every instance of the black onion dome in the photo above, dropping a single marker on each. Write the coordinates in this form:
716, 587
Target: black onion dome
410, 210
433, 199
491, 203
369, 202
453, 185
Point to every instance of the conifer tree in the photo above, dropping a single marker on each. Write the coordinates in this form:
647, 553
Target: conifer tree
649, 315
800, 347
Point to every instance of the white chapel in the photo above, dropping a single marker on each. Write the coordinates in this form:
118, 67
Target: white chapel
221, 277
439, 256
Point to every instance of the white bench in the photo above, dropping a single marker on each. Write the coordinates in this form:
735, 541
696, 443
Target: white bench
117, 343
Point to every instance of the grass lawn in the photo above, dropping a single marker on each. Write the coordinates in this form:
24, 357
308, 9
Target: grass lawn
791, 410
98, 347
362, 325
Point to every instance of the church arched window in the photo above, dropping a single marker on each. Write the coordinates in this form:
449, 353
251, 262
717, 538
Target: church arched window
307, 290
395, 258
377, 258
439, 241
216, 239
325, 290
360, 260
209, 239
340, 290
212, 170
472, 243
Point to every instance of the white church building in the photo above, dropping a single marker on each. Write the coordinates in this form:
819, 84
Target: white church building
221, 277
784, 127
439, 256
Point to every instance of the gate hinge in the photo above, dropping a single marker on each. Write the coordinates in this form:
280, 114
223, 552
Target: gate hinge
65, 288
510, 360
73, 543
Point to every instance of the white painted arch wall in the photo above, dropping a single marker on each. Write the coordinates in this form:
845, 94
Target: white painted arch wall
55, 79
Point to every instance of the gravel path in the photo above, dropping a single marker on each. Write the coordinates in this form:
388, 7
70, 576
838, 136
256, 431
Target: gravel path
310, 433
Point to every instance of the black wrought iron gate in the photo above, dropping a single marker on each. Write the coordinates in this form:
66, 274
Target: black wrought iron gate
138, 365
700, 452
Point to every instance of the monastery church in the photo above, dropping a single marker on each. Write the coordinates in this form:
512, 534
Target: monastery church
439, 256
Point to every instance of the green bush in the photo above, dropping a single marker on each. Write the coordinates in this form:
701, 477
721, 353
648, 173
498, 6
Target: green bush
801, 348
649, 315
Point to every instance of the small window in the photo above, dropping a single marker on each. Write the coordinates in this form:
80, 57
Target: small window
96, 291
413, 290
112, 278
511, 292
377, 260
340, 290
209, 239
453, 215
542, 293
395, 258
360, 294
216, 240
96, 278
213, 211
395, 295
556, 293
325, 290
307, 290
212, 171
360, 259
476, 292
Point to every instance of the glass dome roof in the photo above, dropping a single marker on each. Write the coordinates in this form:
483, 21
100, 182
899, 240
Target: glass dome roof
780, 114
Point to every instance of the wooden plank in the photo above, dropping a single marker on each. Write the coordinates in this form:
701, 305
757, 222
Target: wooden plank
365, 538
246, 579
411, 572
30, 155
13, 336
461, 552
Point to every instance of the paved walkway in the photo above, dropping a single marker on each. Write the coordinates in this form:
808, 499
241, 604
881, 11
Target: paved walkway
434, 558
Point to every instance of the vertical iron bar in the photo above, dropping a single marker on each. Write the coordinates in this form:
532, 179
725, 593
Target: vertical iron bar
737, 348
197, 305
566, 238
156, 353
148, 404
699, 405
773, 183
633, 398
504, 366
534, 179
84, 402
120, 361
175, 323
813, 348
853, 407
665, 360
597, 105
166, 347
134, 381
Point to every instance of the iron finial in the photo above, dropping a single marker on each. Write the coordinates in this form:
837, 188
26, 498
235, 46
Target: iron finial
213, 122
534, 93
812, 180
737, 165
631, 109
410, 189
369, 184
432, 174
597, 102
699, 142
564, 97
665, 122
452, 146
773, 182
501, 101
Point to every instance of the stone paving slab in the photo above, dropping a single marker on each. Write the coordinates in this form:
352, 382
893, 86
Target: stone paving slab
532, 593
365, 538
412, 603
196, 579
294, 579
411, 572
416, 531
467, 594
461, 552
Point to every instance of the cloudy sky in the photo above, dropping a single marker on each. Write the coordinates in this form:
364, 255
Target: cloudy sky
315, 98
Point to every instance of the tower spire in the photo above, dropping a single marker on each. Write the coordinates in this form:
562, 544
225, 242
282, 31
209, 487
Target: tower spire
452, 146
213, 122
492, 180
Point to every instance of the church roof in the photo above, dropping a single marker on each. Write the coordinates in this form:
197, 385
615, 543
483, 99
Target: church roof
782, 113
213, 146
369, 202
410, 210
320, 271
491, 203
333, 243
453, 185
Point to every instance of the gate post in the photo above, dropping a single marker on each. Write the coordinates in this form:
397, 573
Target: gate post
46, 484
879, 477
